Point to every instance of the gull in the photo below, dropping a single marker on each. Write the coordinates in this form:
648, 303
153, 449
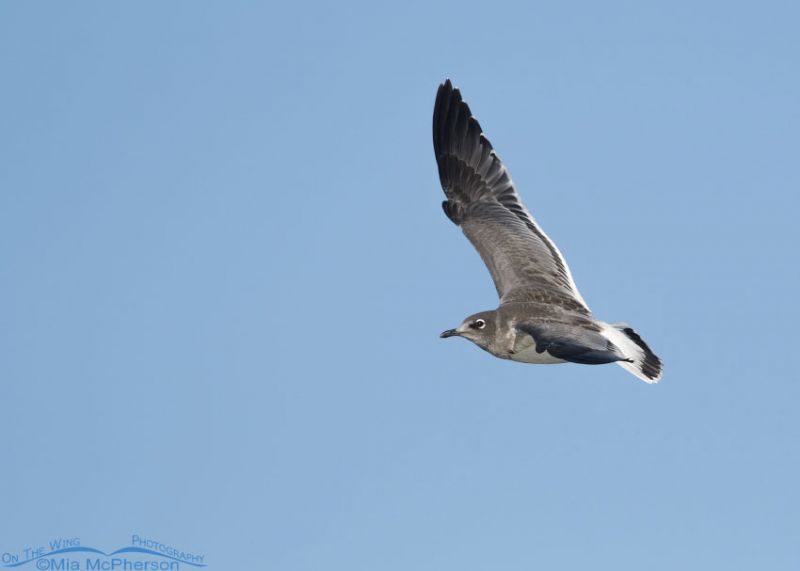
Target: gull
542, 318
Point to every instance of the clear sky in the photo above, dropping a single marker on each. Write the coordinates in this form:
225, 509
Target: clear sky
224, 268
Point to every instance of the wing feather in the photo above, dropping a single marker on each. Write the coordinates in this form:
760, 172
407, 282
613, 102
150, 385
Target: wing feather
482, 200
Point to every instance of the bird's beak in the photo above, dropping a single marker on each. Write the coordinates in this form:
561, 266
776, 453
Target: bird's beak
449, 333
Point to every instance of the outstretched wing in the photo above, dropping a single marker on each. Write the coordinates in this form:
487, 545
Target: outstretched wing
481, 199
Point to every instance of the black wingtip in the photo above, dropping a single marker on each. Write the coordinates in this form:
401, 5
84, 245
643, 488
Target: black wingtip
447, 90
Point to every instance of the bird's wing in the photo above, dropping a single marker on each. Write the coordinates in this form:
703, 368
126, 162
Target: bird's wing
525, 264
572, 343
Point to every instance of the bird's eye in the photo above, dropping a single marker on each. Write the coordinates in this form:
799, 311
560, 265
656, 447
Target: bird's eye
479, 324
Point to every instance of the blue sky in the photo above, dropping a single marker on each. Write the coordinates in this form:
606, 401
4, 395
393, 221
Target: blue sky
225, 269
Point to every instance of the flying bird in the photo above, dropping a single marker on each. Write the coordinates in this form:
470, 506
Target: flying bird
542, 318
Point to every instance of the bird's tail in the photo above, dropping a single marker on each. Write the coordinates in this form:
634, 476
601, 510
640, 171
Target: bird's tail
643, 363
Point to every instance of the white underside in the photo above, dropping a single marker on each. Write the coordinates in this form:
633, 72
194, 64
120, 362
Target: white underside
526, 353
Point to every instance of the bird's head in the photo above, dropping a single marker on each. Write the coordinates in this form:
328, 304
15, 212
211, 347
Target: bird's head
479, 328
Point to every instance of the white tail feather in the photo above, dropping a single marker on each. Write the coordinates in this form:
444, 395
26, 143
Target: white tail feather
646, 365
